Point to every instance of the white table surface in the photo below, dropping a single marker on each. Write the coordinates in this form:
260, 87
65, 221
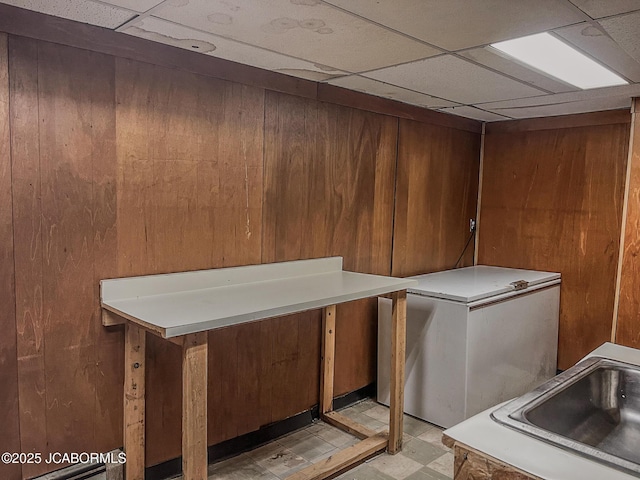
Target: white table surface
533, 456
190, 302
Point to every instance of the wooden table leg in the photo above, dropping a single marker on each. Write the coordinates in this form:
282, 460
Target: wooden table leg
134, 400
398, 347
328, 357
194, 407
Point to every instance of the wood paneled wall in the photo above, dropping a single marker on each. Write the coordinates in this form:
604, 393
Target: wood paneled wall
432, 217
329, 185
552, 200
63, 168
9, 407
627, 330
117, 168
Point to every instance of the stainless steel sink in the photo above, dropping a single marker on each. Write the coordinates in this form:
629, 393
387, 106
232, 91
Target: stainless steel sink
592, 409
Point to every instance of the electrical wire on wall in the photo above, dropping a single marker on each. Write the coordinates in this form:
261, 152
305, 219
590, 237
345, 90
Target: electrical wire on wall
472, 228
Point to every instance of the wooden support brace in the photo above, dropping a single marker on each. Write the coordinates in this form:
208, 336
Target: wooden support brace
110, 319
398, 347
176, 340
343, 459
134, 401
194, 406
348, 425
328, 358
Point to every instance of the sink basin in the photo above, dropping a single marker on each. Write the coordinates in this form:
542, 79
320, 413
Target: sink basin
592, 409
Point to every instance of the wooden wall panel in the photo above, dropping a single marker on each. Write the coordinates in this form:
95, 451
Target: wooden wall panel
436, 194
25, 147
190, 197
109, 343
627, 331
552, 200
77, 130
329, 191
9, 407
63, 130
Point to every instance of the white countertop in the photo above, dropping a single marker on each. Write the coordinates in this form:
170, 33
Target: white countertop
182, 303
533, 456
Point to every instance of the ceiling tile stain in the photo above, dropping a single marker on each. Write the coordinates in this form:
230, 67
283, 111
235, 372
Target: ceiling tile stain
311, 23
280, 25
232, 6
188, 43
591, 31
284, 24
220, 18
178, 3
310, 3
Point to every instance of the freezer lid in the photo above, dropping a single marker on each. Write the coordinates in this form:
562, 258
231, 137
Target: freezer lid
471, 284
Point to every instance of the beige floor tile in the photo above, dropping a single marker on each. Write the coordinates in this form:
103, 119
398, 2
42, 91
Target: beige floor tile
443, 465
266, 451
337, 437
364, 472
379, 412
427, 474
295, 437
421, 451
311, 448
278, 459
297, 450
366, 421
414, 426
434, 436
396, 466
241, 467
361, 406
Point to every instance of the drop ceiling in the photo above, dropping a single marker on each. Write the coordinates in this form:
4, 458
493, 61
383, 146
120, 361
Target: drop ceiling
430, 53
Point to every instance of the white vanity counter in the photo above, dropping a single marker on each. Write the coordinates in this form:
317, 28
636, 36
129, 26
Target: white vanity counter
533, 456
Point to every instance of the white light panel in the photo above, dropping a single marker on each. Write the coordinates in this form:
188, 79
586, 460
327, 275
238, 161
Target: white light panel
546, 53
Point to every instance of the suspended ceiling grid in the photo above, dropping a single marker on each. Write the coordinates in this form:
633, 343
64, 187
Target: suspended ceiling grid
430, 53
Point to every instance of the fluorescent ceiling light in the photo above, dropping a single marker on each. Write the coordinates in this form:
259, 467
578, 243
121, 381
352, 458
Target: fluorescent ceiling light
546, 53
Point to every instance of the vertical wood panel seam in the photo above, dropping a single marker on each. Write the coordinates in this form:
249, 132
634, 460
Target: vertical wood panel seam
476, 242
42, 246
13, 238
395, 193
264, 172
623, 226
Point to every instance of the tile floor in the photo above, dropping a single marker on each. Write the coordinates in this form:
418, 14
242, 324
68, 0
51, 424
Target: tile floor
423, 456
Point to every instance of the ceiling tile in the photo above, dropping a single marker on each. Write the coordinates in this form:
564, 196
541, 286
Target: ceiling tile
625, 30
169, 33
602, 48
475, 113
380, 89
627, 91
567, 108
84, 11
307, 29
135, 5
606, 8
457, 24
492, 58
454, 79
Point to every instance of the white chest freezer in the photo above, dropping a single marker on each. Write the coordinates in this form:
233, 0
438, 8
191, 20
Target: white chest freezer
476, 336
